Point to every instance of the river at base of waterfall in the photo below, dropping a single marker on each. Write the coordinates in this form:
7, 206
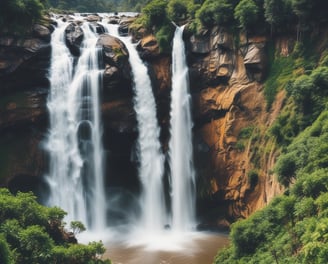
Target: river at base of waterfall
166, 247
197, 248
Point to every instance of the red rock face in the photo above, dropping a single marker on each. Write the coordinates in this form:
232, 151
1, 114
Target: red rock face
228, 100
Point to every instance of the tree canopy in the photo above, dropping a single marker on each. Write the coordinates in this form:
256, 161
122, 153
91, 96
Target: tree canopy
35, 234
19, 15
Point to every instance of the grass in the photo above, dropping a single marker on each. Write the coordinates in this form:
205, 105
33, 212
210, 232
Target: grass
281, 71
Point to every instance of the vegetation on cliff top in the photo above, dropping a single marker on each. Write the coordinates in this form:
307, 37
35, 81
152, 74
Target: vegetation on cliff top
18, 15
32, 233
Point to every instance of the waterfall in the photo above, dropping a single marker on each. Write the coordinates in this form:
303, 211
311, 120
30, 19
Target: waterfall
151, 159
74, 143
180, 145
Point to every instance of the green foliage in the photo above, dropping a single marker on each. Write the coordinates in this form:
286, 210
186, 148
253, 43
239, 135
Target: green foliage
310, 92
293, 228
156, 20
310, 10
324, 59
77, 227
164, 37
280, 73
76, 254
278, 13
313, 184
155, 13
5, 257
240, 146
246, 132
177, 10
246, 13
216, 12
17, 16
305, 208
286, 168
56, 214
28, 234
247, 237
35, 245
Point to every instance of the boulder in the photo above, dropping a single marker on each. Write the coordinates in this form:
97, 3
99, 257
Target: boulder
124, 24
115, 20
117, 73
93, 18
114, 51
148, 47
74, 36
255, 60
42, 32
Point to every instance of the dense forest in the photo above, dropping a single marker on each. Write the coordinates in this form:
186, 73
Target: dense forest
293, 227
252, 16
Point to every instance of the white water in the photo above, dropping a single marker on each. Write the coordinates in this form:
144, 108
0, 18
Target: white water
74, 142
76, 155
151, 159
180, 146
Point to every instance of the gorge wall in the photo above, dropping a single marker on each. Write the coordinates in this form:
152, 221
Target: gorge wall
229, 111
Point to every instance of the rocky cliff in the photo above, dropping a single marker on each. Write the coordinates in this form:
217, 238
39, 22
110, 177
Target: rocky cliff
229, 110
24, 63
230, 123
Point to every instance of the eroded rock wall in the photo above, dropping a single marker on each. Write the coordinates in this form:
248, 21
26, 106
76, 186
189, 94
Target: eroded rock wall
235, 177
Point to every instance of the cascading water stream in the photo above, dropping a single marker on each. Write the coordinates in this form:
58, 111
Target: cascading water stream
180, 146
150, 157
74, 142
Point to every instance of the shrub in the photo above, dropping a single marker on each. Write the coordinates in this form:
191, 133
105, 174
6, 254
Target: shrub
33, 234
247, 235
246, 132
4, 251
315, 183
246, 13
164, 37
216, 12
77, 227
322, 203
305, 208
35, 245
177, 10
240, 146
155, 13
286, 169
